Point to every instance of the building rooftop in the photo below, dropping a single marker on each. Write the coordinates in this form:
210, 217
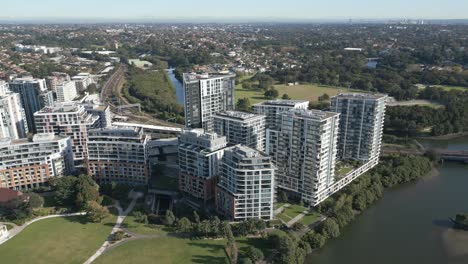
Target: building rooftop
7, 195
114, 131
281, 102
41, 137
311, 114
191, 77
238, 115
68, 107
150, 127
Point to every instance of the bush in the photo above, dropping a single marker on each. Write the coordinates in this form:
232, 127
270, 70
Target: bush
95, 212
119, 235
329, 228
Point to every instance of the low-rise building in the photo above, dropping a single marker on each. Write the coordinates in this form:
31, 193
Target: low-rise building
30, 163
246, 186
199, 156
66, 92
82, 81
118, 155
241, 128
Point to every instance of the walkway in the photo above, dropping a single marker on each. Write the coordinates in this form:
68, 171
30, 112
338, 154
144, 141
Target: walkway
117, 226
280, 209
296, 218
17, 229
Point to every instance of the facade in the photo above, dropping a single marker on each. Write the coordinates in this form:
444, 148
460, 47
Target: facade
68, 119
56, 79
82, 81
66, 92
304, 149
103, 111
361, 125
199, 156
118, 155
34, 96
241, 128
12, 117
29, 163
206, 95
272, 108
246, 186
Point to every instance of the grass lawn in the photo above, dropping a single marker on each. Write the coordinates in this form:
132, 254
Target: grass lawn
310, 218
166, 250
141, 228
56, 240
293, 210
283, 217
309, 92
344, 170
278, 205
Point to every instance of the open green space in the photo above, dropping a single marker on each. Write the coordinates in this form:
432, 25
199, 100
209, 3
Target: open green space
309, 92
310, 218
140, 228
344, 170
56, 240
293, 210
166, 250
450, 87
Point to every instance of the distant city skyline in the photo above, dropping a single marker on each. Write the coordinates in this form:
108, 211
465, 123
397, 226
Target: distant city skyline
241, 10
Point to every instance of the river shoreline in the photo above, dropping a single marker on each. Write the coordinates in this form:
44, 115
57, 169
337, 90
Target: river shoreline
445, 137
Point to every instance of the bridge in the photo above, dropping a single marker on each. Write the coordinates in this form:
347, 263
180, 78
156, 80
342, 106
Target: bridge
445, 155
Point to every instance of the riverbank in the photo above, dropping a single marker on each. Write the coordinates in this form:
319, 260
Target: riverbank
446, 137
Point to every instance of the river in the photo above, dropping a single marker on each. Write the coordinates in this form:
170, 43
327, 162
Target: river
177, 85
410, 223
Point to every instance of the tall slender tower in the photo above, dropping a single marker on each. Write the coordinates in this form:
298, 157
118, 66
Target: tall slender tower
206, 95
12, 117
361, 125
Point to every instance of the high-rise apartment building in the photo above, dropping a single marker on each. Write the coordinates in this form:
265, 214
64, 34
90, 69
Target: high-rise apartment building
68, 119
82, 81
272, 108
118, 155
241, 128
199, 154
206, 95
361, 125
66, 92
12, 117
56, 79
30, 163
34, 96
246, 186
304, 149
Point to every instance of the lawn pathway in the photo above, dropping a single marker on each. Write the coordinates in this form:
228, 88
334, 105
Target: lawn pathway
117, 226
17, 229
296, 218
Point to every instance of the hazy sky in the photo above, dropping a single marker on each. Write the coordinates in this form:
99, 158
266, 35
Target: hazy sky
272, 9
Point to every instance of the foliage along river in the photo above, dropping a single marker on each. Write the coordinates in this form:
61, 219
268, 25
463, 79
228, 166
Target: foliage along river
410, 223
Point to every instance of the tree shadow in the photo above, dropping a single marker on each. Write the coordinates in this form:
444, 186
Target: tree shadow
209, 246
81, 219
208, 259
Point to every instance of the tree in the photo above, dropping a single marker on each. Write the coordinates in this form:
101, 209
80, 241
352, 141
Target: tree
86, 191
243, 104
65, 191
329, 228
298, 226
95, 212
215, 224
184, 225
314, 239
246, 261
324, 97
282, 197
254, 254
35, 200
196, 217
271, 93
169, 218
286, 97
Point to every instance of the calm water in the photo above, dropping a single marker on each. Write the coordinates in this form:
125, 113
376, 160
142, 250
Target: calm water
177, 85
409, 224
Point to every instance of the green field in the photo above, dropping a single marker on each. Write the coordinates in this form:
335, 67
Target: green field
309, 92
56, 240
450, 87
166, 250
293, 210
141, 228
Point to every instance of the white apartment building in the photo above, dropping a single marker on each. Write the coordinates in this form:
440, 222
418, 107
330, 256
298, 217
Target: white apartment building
304, 149
199, 154
56, 79
272, 108
68, 119
30, 163
361, 125
241, 128
118, 155
66, 92
206, 95
82, 81
13, 122
246, 186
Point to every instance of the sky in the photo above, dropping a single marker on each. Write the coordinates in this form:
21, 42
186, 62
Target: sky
268, 10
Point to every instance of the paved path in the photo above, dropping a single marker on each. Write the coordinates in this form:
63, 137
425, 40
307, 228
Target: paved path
279, 210
296, 218
17, 229
117, 226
